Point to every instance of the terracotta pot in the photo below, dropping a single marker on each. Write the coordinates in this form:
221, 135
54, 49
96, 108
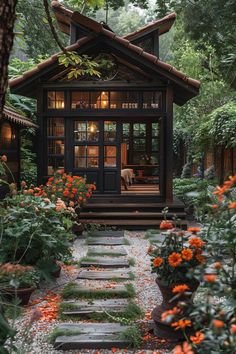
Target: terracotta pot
164, 330
22, 293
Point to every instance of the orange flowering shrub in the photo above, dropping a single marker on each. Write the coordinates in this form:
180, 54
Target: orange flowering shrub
166, 225
180, 288
183, 349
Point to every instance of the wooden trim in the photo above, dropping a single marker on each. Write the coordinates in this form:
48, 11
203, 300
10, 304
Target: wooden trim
168, 143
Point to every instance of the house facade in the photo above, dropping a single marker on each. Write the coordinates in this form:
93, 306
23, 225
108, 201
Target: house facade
98, 128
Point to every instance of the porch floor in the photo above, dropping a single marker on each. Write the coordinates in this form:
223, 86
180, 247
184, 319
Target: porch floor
140, 189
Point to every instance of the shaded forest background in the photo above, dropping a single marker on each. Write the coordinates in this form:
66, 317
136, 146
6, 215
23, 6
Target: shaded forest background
201, 44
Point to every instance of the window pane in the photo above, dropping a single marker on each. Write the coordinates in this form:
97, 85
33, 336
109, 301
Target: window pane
100, 100
140, 129
80, 157
56, 127
56, 147
92, 131
80, 100
55, 163
110, 156
126, 130
155, 129
92, 156
155, 144
139, 144
109, 131
127, 99
80, 130
56, 100
151, 99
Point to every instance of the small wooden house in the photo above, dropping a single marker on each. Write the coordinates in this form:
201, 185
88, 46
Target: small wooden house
10, 125
123, 121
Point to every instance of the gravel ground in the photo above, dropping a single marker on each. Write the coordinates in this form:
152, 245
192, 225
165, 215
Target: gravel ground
147, 297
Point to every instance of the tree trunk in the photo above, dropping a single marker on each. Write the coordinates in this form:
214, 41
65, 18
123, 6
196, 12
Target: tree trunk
7, 16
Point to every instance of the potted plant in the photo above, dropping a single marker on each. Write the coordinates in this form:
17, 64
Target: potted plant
18, 281
174, 261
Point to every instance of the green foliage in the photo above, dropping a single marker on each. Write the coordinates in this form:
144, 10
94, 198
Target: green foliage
25, 278
194, 192
31, 230
133, 335
80, 65
187, 170
58, 332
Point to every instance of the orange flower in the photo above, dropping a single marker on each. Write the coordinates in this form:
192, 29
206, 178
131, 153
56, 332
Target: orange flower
232, 205
167, 313
214, 206
194, 230
181, 324
201, 259
233, 329
185, 349
217, 265
187, 254
66, 193
180, 288
218, 323
174, 259
198, 338
4, 158
210, 278
165, 225
157, 261
196, 242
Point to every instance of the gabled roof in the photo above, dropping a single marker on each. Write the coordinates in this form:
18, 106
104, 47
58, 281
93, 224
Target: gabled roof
13, 116
184, 87
66, 17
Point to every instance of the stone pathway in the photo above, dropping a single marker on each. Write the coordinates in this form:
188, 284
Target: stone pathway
94, 301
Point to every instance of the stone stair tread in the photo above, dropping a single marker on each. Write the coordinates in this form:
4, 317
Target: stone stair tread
92, 335
109, 233
157, 238
95, 306
104, 275
105, 263
106, 241
102, 250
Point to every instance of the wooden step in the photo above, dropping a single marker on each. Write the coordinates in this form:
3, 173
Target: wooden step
91, 336
129, 215
104, 251
104, 275
116, 241
108, 233
105, 263
84, 308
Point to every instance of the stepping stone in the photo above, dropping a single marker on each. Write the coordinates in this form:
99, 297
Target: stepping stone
102, 251
106, 241
159, 238
91, 336
106, 263
109, 233
85, 308
115, 291
104, 275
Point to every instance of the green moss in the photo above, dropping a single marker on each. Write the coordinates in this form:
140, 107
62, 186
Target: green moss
132, 262
126, 242
58, 332
118, 280
71, 290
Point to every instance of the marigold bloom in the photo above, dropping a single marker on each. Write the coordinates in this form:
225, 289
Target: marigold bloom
214, 206
232, 205
157, 261
196, 242
4, 158
200, 258
174, 259
165, 225
181, 324
185, 349
217, 265
233, 329
210, 278
187, 254
180, 288
218, 323
198, 338
194, 230
171, 312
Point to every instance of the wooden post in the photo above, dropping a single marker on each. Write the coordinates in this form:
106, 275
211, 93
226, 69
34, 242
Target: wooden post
168, 142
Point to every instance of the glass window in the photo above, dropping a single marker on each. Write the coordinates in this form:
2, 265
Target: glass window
86, 131
86, 156
56, 147
100, 100
55, 163
155, 145
125, 100
151, 99
155, 129
8, 136
56, 127
56, 100
109, 156
139, 129
80, 100
139, 144
109, 131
